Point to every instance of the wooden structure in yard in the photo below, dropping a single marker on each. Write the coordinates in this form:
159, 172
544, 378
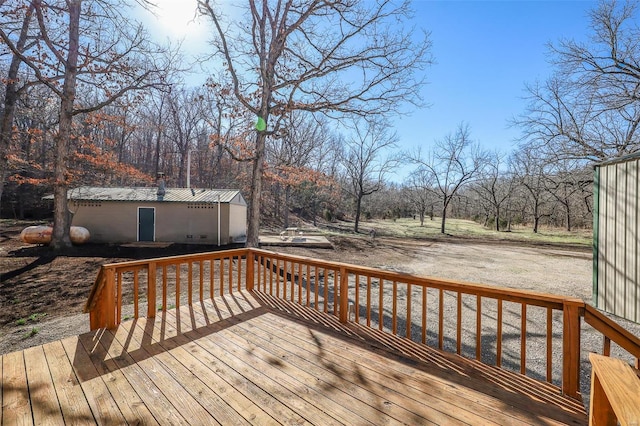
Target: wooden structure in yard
249, 336
616, 237
177, 215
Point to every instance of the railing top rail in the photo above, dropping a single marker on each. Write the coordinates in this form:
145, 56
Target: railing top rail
612, 330
181, 257
504, 293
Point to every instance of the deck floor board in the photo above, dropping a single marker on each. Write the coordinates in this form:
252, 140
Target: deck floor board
251, 359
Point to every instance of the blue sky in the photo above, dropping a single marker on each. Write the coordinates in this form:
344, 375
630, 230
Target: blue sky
485, 52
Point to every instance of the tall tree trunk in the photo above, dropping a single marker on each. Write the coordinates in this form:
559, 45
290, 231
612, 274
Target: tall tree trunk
536, 217
60, 238
156, 159
445, 204
10, 99
358, 207
497, 219
315, 211
285, 213
253, 227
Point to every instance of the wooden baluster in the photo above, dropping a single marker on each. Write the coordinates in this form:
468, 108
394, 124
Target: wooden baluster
293, 282
499, 335
394, 308
211, 278
523, 339
257, 267
368, 300
606, 347
177, 285
300, 283
239, 280
270, 261
230, 274
381, 304
549, 345
357, 301
479, 328
119, 298
221, 263
458, 323
308, 285
424, 314
344, 296
337, 303
408, 331
284, 279
278, 278
441, 319
190, 284
135, 294
151, 290
317, 285
164, 287
264, 274
326, 291
201, 279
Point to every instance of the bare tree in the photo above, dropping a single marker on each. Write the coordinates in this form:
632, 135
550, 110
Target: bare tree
590, 108
291, 156
116, 57
23, 16
567, 182
367, 161
493, 186
531, 171
185, 117
453, 161
421, 192
332, 57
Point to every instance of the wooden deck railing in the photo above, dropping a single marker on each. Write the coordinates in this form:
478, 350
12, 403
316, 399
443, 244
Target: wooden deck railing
532, 333
164, 283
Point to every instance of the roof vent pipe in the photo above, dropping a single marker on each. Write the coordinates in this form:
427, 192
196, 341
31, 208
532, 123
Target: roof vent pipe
161, 189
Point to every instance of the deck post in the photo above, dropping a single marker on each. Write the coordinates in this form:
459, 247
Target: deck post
250, 266
344, 293
571, 347
151, 290
109, 299
103, 313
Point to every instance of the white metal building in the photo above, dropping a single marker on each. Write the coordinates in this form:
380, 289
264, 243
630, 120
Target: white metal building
616, 237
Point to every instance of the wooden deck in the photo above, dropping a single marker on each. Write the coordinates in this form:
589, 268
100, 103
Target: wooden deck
254, 359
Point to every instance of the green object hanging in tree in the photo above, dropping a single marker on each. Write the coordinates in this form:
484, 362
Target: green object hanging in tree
261, 124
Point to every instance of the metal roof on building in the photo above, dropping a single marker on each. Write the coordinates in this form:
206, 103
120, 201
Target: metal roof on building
172, 195
622, 159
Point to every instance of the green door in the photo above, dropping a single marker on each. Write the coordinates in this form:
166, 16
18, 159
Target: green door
146, 223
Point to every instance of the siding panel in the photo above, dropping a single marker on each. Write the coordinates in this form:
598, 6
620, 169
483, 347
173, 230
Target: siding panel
618, 241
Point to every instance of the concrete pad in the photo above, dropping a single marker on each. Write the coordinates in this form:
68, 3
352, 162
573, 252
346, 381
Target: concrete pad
315, 241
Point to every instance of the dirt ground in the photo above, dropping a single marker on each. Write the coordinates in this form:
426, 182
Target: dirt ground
42, 295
